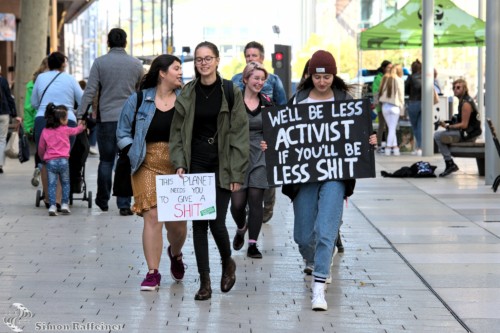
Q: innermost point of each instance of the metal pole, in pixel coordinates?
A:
(492, 87)
(480, 72)
(427, 76)
(131, 27)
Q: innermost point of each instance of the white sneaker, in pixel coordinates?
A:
(388, 151)
(318, 297)
(93, 151)
(65, 209)
(53, 210)
(419, 152)
(396, 152)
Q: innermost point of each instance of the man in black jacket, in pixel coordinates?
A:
(7, 110)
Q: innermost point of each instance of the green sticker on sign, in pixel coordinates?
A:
(207, 211)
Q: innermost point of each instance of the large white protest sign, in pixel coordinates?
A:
(191, 197)
(318, 142)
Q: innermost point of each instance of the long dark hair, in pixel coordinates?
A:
(209, 45)
(54, 114)
(160, 63)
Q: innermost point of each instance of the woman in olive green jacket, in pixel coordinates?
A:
(207, 137)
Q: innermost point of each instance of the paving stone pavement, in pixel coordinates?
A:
(421, 255)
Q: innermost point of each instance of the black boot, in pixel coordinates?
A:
(450, 168)
(205, 291)
(228, 274)
(339, 245)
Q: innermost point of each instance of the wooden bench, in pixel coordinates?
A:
(470, 149)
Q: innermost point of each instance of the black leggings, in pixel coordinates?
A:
(205, 159)
(254, 197)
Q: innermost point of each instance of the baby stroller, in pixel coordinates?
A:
(77, 160)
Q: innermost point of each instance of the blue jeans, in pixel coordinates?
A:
(318, 209)
(108, 150)
(58, 168)
(415, 113)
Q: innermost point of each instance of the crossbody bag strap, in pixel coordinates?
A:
(137, 106)
(43, 94)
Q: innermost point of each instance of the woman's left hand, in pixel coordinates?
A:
(373, 139)
(235, 187)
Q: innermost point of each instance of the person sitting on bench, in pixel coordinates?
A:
(465, 126)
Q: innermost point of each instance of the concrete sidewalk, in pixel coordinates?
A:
(421, 255)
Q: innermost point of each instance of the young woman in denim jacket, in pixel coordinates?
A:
(148, 150)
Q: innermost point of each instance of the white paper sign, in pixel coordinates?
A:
(189, 198)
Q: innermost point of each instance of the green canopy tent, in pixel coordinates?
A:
(403, 30)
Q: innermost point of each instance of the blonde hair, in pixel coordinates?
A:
(251, 67)
(389, 79)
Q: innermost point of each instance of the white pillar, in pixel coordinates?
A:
(492, 97)
(427, 76)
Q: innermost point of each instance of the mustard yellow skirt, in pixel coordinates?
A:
(156, 162)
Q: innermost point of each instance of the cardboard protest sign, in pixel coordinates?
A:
(191, 197)
(319, 141)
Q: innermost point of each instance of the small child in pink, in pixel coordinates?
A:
(53, 149)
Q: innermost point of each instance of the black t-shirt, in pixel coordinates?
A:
(159, 129)
(207, 108)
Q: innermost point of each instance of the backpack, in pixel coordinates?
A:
(229, 93)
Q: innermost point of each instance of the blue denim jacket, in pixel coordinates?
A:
(273, 87)
(145, 114)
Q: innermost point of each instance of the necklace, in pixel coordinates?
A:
(165, 100)
(210, 93)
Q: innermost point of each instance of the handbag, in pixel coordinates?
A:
(24, 146)
(122, 181)
(12, 148)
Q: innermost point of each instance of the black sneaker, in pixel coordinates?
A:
(253, 251)
(450, 169)
(126, 211)
(238, 241)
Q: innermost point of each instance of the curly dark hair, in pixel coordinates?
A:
(54, 114)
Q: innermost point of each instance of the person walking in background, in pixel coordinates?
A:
(385, 67)
(146, 143)
(53, 149)
(413, 88)
(252, 191)
(392, 98)
(114, 77)
(29, 117)
(207, 135)
(318, 206)
(273, 88)
(7, 110)
(466, 127)
(59, 88)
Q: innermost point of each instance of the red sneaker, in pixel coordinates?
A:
(151, 282)
(177, 267)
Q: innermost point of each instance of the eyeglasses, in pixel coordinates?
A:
(208, 60)
(456, 87)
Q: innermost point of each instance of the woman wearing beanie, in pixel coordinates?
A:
(318, 206)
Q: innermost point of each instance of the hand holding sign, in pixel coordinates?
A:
(186, 197)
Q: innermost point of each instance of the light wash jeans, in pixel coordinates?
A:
(58, 168)
(4, 129)
(415, 113)
(318, 211)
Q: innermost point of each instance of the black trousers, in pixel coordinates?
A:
(204, 159)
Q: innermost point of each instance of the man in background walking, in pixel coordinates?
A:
(114, 77)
